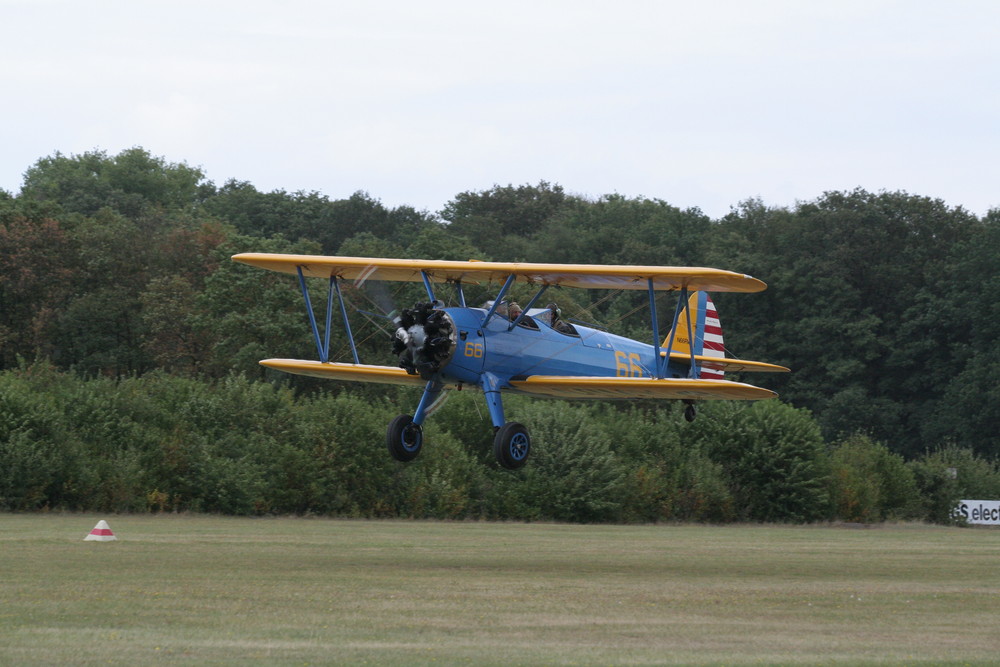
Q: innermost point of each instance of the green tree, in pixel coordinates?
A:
(618, 230)
(850, 272)
(101, 329)
(962, 328)
(171, 337)
(505, 217)
(39, 266)
(130, 183)
(312, 216)
(251, 314)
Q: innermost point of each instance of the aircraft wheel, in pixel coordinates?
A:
(690, 412)
(511, 445)
(404, 438)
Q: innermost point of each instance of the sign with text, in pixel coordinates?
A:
(985, 512)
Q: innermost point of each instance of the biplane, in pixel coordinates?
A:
(500, 347)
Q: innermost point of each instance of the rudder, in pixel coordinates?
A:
(706, 331)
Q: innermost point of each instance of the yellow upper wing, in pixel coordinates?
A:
(639, 387)
(569, 275)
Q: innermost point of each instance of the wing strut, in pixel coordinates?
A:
(499, 298)
(427, 286)
(531, 303)
(323, 346)
(659, 370)
(347, 323)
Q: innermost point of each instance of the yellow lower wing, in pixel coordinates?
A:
(542, 385)
(616, 387)
(351, 372)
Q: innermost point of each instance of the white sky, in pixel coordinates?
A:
(697, 103)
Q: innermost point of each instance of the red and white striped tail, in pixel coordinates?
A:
(713, 342)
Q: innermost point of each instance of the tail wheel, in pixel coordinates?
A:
(404, 438)
(511, 445)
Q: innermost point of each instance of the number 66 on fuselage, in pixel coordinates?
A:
(499, 347)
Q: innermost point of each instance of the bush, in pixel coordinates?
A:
(703, 492)
(869, 483)
(445, 482)
(772, 455)
(40, 458)
(950, 474)
(573, 475)
(163, 443)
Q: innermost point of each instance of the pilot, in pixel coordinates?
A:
(556, 321)
(514, 311)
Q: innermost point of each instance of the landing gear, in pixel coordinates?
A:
(511, 445)
(690, 412)
(404, 438)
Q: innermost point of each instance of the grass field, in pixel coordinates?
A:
(210, 590)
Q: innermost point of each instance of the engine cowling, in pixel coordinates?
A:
(424, 340)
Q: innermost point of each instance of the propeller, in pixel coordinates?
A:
(424, 340)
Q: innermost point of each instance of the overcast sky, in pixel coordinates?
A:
(701, 104)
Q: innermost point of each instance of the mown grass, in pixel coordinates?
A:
(208, 590)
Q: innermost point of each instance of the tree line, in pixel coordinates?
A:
(116, 277)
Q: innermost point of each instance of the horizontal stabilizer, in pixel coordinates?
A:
(638, 387)
(727, 364)
(349, 372)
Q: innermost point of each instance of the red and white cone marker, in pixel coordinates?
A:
(100, 533)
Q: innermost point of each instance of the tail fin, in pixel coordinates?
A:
(706, 330)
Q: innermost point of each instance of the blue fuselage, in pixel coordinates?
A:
(535, 348)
